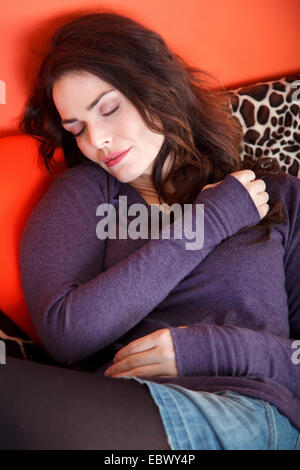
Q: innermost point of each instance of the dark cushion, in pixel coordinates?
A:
(18, 344)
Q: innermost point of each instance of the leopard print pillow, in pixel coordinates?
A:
(269, 113)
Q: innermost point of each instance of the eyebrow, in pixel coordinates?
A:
(89, 107)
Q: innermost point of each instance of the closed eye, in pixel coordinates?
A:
(111, 112)
(107, 114)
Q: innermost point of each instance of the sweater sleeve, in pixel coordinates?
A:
(77, 307)
(213, 350)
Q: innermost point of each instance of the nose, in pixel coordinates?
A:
(99, 137)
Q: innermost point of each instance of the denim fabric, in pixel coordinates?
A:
(220, 421)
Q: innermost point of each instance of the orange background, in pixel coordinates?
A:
(238, 41)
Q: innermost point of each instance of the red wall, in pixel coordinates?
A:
(238, 41)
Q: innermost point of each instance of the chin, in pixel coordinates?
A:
(126, 176)
(123, 178)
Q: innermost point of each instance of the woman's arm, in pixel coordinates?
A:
(212, 350)
(233, 351)
(76, 306)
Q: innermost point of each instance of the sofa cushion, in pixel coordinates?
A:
(18, 344)
(269, 113)
(22, 184)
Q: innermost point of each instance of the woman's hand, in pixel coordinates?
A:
(256, 189)
(150, 356)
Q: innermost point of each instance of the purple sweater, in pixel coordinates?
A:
(241, 303)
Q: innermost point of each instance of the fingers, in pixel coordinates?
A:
(257, 186)
(155, 350)
(152, 370)
(244, 176)
(141, 344)
(256, 189)
(145, 364)
(263, 210)
(133, 362)
(262, 197)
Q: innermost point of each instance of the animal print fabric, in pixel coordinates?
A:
(269, 113)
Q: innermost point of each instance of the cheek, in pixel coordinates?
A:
(132, 126)
(88, 150)
(146, 137)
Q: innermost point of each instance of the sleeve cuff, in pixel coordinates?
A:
(194, 350)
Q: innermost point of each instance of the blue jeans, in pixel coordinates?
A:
(221, 420)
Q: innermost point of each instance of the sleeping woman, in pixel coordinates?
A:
(195, 337)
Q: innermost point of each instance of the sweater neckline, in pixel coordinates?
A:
(134, 197)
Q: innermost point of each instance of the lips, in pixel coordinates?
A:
(113, 155)
(115, 161)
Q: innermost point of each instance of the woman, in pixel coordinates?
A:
(208, 330)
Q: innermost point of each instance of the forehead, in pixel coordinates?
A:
(75, 79)
(75, 90)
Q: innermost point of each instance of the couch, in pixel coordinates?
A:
(269, 114)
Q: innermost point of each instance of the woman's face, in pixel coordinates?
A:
(106, 124)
